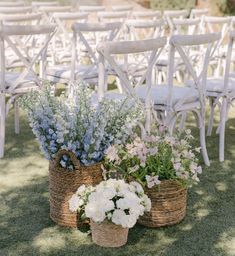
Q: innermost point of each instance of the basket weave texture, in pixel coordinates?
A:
(169, 201)
(107, 234)
(63, 184)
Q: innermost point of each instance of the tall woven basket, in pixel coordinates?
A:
(107, 234)
(169, 201)
(63, 184)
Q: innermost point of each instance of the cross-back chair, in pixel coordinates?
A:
(122, 8)
(110, 52)
(168, 15)
(16, 10)
(146, 14)
(170, 101)
(198, 13)
(211, 25)
(11, 4)
(221, 93)
(61, 46)
(84, 60)
(14, 83)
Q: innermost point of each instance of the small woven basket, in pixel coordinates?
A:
(63, 184)
(169, 201)
(107, 234)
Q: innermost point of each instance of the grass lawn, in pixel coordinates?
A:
(26, 229)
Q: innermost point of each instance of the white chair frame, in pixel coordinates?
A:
(7, 35)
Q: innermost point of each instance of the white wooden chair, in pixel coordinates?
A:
(143, 29)
(14, 83)
(168, 15)
(169, 101)
(16, 10)
(198, 13)
(12, 4)
(92, 10)
(228, 95)
(85, 38)
(122, 8)
(146, 15)
(48, 11)
(212, 25)
(61, 46)
(21, 19)
(221, 93)
(44, 3)
(112, 16)
(110, 52)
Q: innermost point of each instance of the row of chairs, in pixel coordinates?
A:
(92, 74)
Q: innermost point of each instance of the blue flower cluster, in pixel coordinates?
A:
(78, 125)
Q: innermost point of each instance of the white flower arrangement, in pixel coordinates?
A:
(112, 200)
(79, 124)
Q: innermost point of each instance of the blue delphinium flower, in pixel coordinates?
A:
(78, 125)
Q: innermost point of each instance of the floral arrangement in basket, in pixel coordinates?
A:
(112, 203)
(164, 165)
(80, 123)
(154, 158)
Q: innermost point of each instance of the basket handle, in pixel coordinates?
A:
(70, 154)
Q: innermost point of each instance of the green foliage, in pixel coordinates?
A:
(172, 4)
(227, 6)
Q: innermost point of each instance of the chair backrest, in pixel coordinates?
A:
(109, 50)
(186, 26)
(214, 24)
(228, 61)
(168, 15)
(43, 3)
(62, 40)
(91, 8)
(122, 8)
(112, 16)
(143, 29)
(23, 19)
(16, 10)
(48, 11)
(198, 13)
(12, 4)
(88, 35)
(147, 15)
(20, 40)
(180, 44)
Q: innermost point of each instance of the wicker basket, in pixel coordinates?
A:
(63, 184)
(169, 201)
(107, 234)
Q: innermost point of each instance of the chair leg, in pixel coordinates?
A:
(203, 145)
(211, 118)
(119, 86)
(182, 121)
(2, 124)
(223, 118)
(16, 117)
(201, 125)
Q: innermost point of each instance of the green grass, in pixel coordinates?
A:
(26, 229)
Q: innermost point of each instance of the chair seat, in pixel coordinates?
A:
(62, 73)
(216, 85)
(159, 94)
(27, 84)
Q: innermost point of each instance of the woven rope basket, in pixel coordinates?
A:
(63, 184)
(169, 201)
(107, 234)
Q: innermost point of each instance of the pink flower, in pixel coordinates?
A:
(152, 180)
(112, 154)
